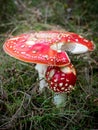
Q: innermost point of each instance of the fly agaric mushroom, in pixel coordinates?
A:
(61, 80)
(35, 48)
(47, 48)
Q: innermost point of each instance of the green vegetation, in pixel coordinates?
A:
(22, 107)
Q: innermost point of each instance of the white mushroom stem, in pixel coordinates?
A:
(60, 100)
(41, 68)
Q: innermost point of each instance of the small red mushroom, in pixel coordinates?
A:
(61, 79)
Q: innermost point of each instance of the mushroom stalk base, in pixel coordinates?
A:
(60, 99)
(41, 68)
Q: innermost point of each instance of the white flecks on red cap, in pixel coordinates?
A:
(74, 43)
(34, 52)
(60, 81)
(46, 47)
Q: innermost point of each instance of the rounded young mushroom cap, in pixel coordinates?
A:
(61, 79)
(35, 47)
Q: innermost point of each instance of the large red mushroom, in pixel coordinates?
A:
(36, 48)
(48, 50)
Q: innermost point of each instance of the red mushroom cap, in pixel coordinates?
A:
(47, 47)
(61, 79)
(35, 48)
(73, 42)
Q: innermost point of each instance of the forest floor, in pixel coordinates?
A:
(22, 107)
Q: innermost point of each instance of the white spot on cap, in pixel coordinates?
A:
(67, 80)
(15, 38)
(30, 42)
(63, 74)
(23, 52)
(34, 51)
(85, 40)
(62, 78)
(66, 90)
(68, 40)
(60, 84)
(76, 40)
(66, 35)
(55, 80)
(66, 84)
(46, 56)
(54, 88)
(17, 52)
(11, 46)
(56, 84)
(80, 36)
(51, 83)
(58, 90)
(70, 86)
(22, 46)
(14, 43)
(62, 88)
(51, 59)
